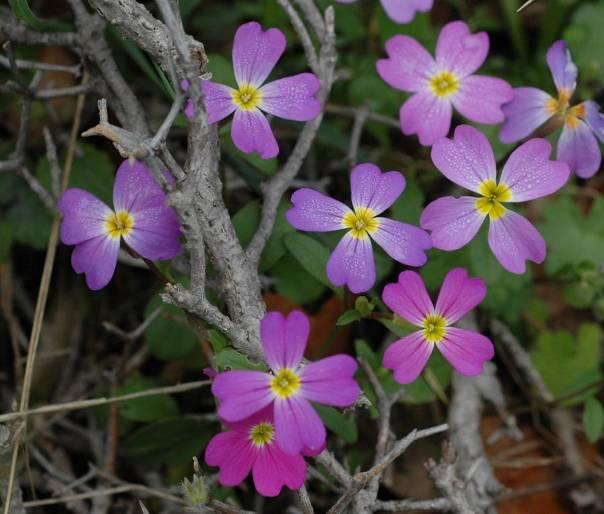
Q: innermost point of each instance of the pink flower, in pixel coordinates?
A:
(141, 217)
(583, 124)
(443, 83)
(352, 263)
(250, 445)
(255, 53)
(401, 11)
(290, 386)
(465, 350)
(468, 161)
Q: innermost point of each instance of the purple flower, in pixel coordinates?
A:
(468, 161)
(141, 217)
(401, 11)
(582, 123)
(250, 445)
(465, 350)
(352, 263)
(255, 53)
(441, 84)
(290, 386)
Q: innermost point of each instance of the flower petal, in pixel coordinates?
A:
(155, 233)
(514, 240)
(220, 451)
(135, 189)
(405, 243)
(274, 469)
(331, 381)
(459, 295)
(241, 393)
(408, 64)
(97, 258)
(579, 148)
(530, 174)
(255, 53)
(408, 298)
(373, 189)
(460, 51)
(315, 212)
(297, 425)
(292, 98)
(84, 216)
(218, 100)
(564, 70)
(404, 11)
(352, 264)
(284, 338)
(452, 222)
(466, 351)
(467, 159)
(427, 116)
(524, 114)
(480, 98)
(594, 119)
(252, 133)
(407, 357)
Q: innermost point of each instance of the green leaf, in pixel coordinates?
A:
(294, 282)
(311, 254)
(149, 408)
(348, 317)
(169, 336)
(343, 426)
(420, 391)
(593, 419)
(584, 37)
(275, 246)
(408, 206)
(171, 441)
(23, 11)
(245, 222)
(228, 358)
(217, 339)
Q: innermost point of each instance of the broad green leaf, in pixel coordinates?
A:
(408, 206)
(311, 254)
(228, 358)
(217, 339)
(149, 408)
(275, 246)
(246, 221)
(294, 282)
(342, 425)
(593, 419)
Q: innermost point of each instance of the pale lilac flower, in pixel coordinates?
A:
(401, 11)
(290, 386)
(255, 54)
(468, 161)
(465, 350)
(352, 262)
(250, 445)
(141, 217)
(582, 124)
(444, 83)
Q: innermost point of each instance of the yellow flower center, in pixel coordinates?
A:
(262, 434)
(435, 327)
(247, 97)
(558, 106)
(573, 115)
(361, 222)
(492, 196)
(444, 84)
(285, 383)
(119, 224)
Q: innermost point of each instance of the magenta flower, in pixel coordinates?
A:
(250, 445)
(468, 161)
(141, 217)
(465, 350)
(401, 11)
(255, 53)
(290, 386)
(582, 123)
(352, 262)
(443, 83)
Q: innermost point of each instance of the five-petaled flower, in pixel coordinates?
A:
(352, 262)
(255, 53)
(443, 83)
(465, 350)
(468, 161)
(290, 386)
(141, 218)
(531, 108)
(250, 445)
(401, 11)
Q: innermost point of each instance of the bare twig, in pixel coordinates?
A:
(137, 332)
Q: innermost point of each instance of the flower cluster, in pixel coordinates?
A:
(272, 422)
